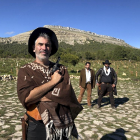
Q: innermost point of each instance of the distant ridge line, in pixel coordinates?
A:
(83, 31)
(69, 36)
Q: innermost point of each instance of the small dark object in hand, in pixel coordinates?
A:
(55, 67)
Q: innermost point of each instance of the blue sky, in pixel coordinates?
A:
(116, 18)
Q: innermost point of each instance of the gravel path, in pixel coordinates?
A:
(122, 123)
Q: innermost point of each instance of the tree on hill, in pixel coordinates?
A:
(119, 53)
(100, 55)
(70, 58)
(89, 56)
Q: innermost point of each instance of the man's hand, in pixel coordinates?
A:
(97, 84)
(44, 99)
(56, 77)
(113, 85)
(79, 86)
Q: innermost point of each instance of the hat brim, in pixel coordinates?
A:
(35, 34)
(106, 63)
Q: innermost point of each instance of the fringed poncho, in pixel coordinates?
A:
(58, 114)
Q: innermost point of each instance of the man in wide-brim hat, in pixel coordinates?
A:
(48, 97)
(106, 83)
(53, 42)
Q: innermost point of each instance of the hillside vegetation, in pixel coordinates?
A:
(125, 60)
(125, 69)
(90, 51)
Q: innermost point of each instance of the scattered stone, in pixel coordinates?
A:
(17, 134)
(94, 129)
(97, 122)
(97, 111)
(10, 114)
(124, 74)
(128, 136)
(128, 125)
(5, 126)
(15, 121)
(88, 133)
(19, 138)
(117, 125)
(134, 130)
(109, 129)
(3, 131)
(99, 135)
(79, 130)
(2, 122)
(18, 127)
(85, 127)
(110, 118)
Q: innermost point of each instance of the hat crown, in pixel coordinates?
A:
(106, 62)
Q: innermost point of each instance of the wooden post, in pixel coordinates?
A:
(117, 69)
(24, 129)
(16, 70)
(77, 71)
(136, 73)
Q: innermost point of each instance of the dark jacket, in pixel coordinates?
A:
(113, 77)
(82, 80)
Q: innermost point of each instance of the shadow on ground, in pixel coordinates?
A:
(83, 103)
(119, 134)
(106, 101)
(120, 101)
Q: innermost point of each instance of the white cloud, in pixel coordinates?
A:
(9, 33)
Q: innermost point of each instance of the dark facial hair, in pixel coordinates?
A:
(107, 67)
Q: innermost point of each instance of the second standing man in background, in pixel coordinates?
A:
(87, 81)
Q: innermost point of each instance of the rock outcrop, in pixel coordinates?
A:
(68, 35)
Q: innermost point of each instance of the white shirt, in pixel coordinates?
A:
(88, 75)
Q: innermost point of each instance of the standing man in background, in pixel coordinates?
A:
(107, 83)
(87, 81)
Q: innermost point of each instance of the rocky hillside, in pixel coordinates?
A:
(68, 35)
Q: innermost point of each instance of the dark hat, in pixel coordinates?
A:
(106, 62)
(121, 130)
(35, 34)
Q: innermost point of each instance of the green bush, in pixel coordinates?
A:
(70, 58)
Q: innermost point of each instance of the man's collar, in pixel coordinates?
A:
(88, 69)
(106, 68)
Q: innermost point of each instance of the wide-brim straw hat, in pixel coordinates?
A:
(35, 34)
